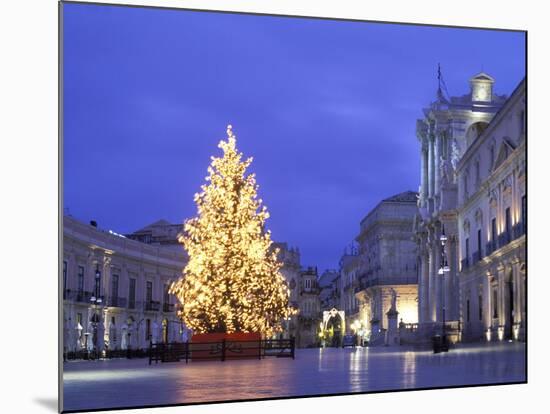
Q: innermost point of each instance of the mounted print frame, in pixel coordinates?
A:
(260, 207)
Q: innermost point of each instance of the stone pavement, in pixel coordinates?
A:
(123, 383)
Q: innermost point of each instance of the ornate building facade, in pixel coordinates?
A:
(449, 127)
(492, 213)
(387, 265)
(115, 290)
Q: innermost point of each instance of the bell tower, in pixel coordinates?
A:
(481, 86)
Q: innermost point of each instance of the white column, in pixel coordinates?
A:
(424, 283)
(424, 172)
(487, 298)
(431, 166)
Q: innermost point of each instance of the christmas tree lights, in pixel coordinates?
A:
(232, 281)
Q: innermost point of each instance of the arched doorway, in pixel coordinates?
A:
(334, 325)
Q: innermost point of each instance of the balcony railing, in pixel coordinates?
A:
(490, 247)
(168, 307)
(384, 281)
(519, 229)
(464, 263)
(151, 306)
(504, 239)
(116, 301)
(77, 295)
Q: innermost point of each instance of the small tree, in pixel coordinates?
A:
(232, 281)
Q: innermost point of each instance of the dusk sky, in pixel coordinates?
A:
(327, 109)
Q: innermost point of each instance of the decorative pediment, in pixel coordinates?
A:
(466, 226)
(504, 151)
(479, 217)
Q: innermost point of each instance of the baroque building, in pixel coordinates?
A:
(309, 314)
(115, 290)
(449, 127)
(492, 214)
(387, 270)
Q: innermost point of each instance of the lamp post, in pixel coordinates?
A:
(96, 301)
(442, 270)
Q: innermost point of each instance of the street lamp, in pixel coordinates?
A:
(96, 301)
(442, 270)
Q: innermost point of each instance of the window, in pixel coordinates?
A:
(467, 250)
(468, 310)
(508, 224)
(495, 303)
(149, 292)
(480, 307)
(97, 287)
(308, 283)
(148, 329)
(64, 276)
(479, 243)
(114, 288)
(132, 294)
(166, 294)
(80, 279)
(493, 231)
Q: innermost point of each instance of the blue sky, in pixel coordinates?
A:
(327, 109)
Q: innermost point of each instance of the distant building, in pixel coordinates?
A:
(309, 316)
(329, 296)
(159, 233)
(388, 265)
(492, 217)
(291, 270)
(349, 274)
(115, 290)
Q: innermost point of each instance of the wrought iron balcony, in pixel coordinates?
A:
(519, 229)
(116, 302)
(385, 281)
(77, 295)
(504, 239)
(490, 247)
(152, 306)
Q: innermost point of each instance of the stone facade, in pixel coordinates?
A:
(309, 314)
(448, 129)
(492, 208)
(115, 290)
(387, 266)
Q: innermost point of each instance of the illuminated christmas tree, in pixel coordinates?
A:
(232, 281)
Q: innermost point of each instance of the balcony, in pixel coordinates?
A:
(504, 239)
(464, 263)
(77, 295)
(490, 247)
(519, 229)
(385, 281)
(151, 305)
(168, 307)
(116, 302)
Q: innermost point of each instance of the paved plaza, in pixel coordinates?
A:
(122, 383)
